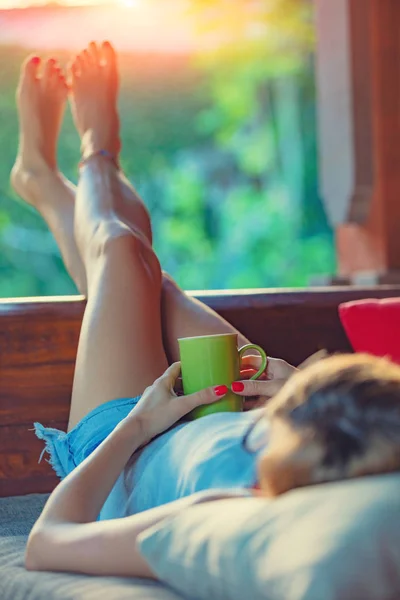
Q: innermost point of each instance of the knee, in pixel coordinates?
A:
(118, 243)
(171, 293)
(111, 238)
(168, 284)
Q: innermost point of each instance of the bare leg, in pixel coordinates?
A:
(120, 349)
(37, 180)
(183, 316)
(41, 99)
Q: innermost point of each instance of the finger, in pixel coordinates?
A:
(257, 388)
(207, 396)
(252, 360)
(250, 372)
(171, 375)
(279, 369)
(314, 358)
(178, 387)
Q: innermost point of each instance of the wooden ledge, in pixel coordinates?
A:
(224, 299)
(39, 337)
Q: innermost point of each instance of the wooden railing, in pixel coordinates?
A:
(38, 342)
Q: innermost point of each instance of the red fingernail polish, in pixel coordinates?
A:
(237, 386)
(220, 390)
(35, 60)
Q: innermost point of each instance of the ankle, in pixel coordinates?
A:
(100, 155)
(92, 144)
(33, 179)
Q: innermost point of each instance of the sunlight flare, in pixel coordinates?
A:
(129, 3)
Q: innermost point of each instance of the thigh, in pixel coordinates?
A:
(184, 316)
(120, 348)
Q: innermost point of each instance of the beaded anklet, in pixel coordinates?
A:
(104, 153)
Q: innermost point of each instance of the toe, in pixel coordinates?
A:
(94, 53)
(109, 55)
(73, 72)
(55, 77)
(62, 78)
(81, 66)
(49, 70)
(87, 57)
(87, 60)
(110, 64)
(30, 69)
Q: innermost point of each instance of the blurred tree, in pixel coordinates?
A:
(260, 68)
(261, 76)
(222, 146)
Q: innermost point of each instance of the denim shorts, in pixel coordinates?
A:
(67, 450)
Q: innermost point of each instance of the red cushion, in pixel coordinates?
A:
(373, 326)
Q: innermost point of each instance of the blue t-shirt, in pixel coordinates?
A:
(203, 454)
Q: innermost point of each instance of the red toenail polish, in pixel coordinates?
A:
(237, 386)
(35, 60)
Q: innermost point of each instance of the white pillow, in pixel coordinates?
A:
(330, 542)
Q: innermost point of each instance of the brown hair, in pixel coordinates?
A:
(350, 406)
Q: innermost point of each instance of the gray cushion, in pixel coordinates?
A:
(330, 542)
(17, 515)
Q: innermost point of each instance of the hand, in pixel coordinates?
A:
(160, 407)
(276, 368)
(277, 373)
(271, 381)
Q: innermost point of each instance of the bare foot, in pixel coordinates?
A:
(41, 100)
(94, 84)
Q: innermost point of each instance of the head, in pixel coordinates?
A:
(337, 419)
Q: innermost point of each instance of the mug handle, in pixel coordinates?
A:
(263, 356)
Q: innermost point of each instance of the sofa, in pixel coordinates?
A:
(38, 342)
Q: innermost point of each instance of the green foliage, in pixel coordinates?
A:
(222, 147)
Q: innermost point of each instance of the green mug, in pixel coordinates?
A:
(212, 360)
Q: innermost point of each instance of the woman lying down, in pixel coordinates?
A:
(128, 461)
